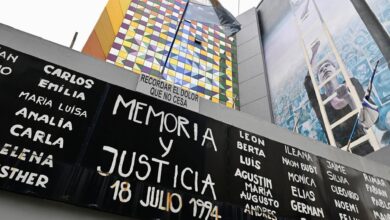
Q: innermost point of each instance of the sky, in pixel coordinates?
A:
(58, 20)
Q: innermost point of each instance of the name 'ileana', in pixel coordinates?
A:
(298, 153)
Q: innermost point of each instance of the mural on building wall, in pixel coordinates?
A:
(318, 75)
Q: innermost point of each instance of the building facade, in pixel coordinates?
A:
(155, 38)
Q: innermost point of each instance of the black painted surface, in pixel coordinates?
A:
(246, 176)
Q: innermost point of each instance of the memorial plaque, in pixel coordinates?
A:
(156, 158)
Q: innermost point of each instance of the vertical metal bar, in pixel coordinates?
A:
(174, 38)
(374, 26)
(74, 40)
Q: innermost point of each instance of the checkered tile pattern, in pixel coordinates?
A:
(202, 58)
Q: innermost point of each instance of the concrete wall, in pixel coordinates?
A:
(271, 11)
(251, 77)
(14, 206)
(381, 156)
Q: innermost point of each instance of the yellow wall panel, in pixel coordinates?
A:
(104, 32)
(116, 14)
(93, 47)
(124, 5)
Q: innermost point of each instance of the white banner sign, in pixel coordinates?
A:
(168, 92)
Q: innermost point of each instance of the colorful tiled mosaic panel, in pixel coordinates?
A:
(146, 34)
(202, 58)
